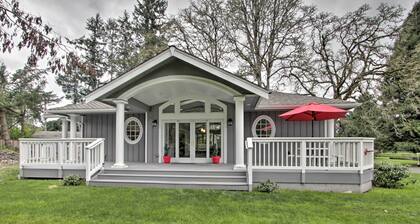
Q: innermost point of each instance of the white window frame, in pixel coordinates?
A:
(269, 119)
(206, 116)
(137, 140)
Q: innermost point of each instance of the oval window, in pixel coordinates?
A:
(263, 126)
(133, 130)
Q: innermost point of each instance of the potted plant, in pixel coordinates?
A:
(166, 155)
(215, 158)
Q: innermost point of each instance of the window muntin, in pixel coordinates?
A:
(263, 126)
(215, 108)
(192, 106)
(169, 109)
(133, 130)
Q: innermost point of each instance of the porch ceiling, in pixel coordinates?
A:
(160, 91)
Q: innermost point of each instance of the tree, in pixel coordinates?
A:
(128, 44)
(23, 98)
(365, 121)
(150, 22)
(21, 30)
(347, 56)
(401, 87)
(201, 30)
(267, 36)
(77, 82)
(54, 125)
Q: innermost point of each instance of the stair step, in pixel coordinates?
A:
(178, 172)
(171, 184)
(171, 177)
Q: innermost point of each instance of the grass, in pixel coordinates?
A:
(47, 201)
(397, 158)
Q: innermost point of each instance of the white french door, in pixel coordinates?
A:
(193, 141)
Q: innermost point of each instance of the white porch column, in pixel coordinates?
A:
(73, 125)
(64, 127)
(239, 132)
(119, 133)
(330, 128)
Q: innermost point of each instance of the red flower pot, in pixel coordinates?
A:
(215, 159)
(166, 159)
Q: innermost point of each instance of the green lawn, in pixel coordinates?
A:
(46, 201)
(400, 158)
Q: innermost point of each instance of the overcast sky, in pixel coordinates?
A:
(67, 17)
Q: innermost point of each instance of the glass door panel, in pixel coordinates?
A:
(170, 138)
(215, 138)
(201, 140)
(184, 140)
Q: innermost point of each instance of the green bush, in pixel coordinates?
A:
(72, 180)
(407, 147)
(267, 187)
(390, 176)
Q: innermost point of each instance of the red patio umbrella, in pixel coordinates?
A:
(313, 112)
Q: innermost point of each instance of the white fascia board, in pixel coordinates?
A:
(221, 73)
(82, 111)
(289, 107)
(129, 75)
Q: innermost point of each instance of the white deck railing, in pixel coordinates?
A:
(81, 152)
(95, 156)
(309, 153)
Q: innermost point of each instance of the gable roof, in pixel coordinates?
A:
(285, 101)
(173, 52)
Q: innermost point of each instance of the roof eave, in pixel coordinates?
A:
(81, 111)
(346, 106)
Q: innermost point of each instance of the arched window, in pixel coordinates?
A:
(133, 130)
(263, 126)
(188, 106)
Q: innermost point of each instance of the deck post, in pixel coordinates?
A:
(64, 127)
(119, 133)
(239, 132)
(73, 131)
(303, 161)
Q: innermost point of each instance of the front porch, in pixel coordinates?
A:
(331, 164)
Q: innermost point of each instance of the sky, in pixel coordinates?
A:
(68, 17)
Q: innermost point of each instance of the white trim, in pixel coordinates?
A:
(270, 120)
(128, 120)
(82, 111)
(290, 107)
(206, 116)
(145, 136)
(128, 76)
(173, 52)
(193, 79)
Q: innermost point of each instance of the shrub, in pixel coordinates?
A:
(72, 180)
(407, 146)
(267, 187)
(390, 176)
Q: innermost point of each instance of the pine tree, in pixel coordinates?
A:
(128, 46)
(150, 22)
(401, 87)
(77, 82)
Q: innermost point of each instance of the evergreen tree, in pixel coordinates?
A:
(128, 44)
(76, 81)
(150, 22)
(401, 87)
(22, 98)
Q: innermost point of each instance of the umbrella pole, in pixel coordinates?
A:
(312, 128)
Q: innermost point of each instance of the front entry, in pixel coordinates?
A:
(193, 141)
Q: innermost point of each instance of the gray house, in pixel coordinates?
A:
(189, 110)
